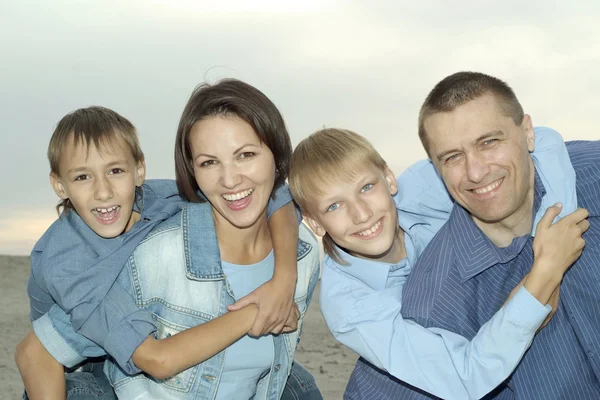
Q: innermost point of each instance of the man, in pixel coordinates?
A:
(475, 132)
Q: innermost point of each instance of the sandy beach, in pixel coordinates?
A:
(330, 362)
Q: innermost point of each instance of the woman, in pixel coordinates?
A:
(232, 146)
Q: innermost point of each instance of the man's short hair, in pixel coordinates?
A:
(462, 87)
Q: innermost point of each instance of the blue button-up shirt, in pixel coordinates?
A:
(462, 278)
(361, 302)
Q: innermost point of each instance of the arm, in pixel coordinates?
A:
(159, 358)
(169, 356)
(43, 376)
(438, 361)
(275, 297)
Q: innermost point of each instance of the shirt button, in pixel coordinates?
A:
(209, 377)
(277, 367)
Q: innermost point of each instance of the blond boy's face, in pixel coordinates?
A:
(100, 183)
(360, 216)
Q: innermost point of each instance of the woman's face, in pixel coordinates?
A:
(234, 170)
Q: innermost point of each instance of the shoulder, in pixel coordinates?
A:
(160, 188)
(585, 158)
(309, 253)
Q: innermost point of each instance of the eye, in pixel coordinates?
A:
(115, 171)
(247, 154)
(367, 187)
(489, 142)
(208, 163)
(80, 178)
(452, 157)
(333, 207)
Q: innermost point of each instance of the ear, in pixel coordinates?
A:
(391, 180)
(529, 133)
(314, 226)
(58, 187)
(140, 176)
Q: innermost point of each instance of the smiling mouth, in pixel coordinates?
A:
(106, 214)
(488, 188)
(374, 229)
(237, 196)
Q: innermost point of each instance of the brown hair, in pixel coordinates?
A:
(230, 97)
(97, 125)
(328, 155)
(462, 87)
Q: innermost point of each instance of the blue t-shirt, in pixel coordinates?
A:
(248, 359)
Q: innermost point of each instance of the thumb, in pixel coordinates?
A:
(549, 215)
(243, 302)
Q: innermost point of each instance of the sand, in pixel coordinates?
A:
(329, 362)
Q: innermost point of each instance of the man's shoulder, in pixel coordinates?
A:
(585, 158)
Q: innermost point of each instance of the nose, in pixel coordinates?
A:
(103, 189)
(361, 212)
(230, 176)
(477, 167)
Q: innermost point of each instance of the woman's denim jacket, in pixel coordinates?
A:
(176, 273)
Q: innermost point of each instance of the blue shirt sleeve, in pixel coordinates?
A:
(440, 362)
(281, 197)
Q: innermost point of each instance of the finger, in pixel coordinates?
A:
(549, 215)
(243, 302)
(287, 329)
(583, 225)
(278, 329)
(576, 216)
(258, 326)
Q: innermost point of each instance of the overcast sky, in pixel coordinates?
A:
(366, 66)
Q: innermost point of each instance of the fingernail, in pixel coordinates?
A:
(558, 205)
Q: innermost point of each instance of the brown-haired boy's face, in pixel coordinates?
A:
(360, 216)
(100, 183)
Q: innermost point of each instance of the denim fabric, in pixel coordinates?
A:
(301, 385)
(89, 383)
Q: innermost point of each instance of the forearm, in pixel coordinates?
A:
(541, 283)
(284, 234)
(169, 356)
(43, 376)
(435, 360)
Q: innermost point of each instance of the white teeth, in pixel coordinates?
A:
(238, 196)
(488, 188)
(371, 230)
(99, 211)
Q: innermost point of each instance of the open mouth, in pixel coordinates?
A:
(489, 188)
(106, 215)
(373, 231)
(237, 196)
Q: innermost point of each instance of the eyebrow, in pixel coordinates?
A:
(109, 165)
(238, 150)
(479, 139)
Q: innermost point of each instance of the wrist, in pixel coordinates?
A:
(541, 284)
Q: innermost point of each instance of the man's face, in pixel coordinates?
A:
(483, 158)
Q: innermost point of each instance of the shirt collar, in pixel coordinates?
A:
(474, 252)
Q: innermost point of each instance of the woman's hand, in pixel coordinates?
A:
(275, 301)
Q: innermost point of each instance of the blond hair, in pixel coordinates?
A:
(325, 157)
(97, 125)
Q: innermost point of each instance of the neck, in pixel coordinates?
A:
(518, 224)
(247, 245)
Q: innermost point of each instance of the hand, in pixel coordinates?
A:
(556, 247)
(292, 322)
(274, 299)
